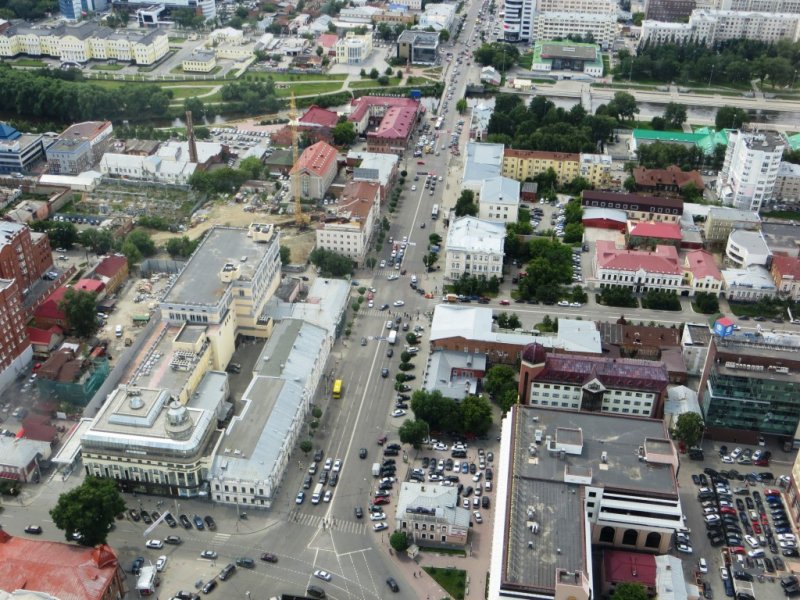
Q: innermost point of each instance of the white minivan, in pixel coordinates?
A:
(118, 331)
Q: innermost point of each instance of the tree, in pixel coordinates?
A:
(374, 74)
(629, 184)
(675, 115)
(499, 379)
(508, 399)
(331, 263)
(629, 591)
(708, 304)
(89, 510)
(399, 541)
(99, 241)
(444, 35)
(319, 50)
(658, 123)
(461, 106)
(413, 432)
(197, 108)
(731, 117)
(465, 205)
(476, 415)
(62, 235)
(80, 310)
(306, 446)
(689, 428)
(131, 252)
(344, 133)
(181, 247)
(252, 167)
(624, 106)
(142, 241)
(286, 254)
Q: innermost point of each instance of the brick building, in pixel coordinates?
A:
(15, 346)
(637, 207)
(25, 255)
(388, 122)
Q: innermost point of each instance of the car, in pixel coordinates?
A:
(685, 548)
(210, 586)
(478, 517)
(398, 412)
(208, 555)
(301, 496)
(198, 522)
(377, 516)
(157, 544)
(187, 524)
(161, 563)
(328, 496)
(398, 303)
(146, 517)
(269, 557)
(723, 572)
(34, 529)
(175, 540)
(753, 542)
(137, 564)
(134, 514)
(170, 520)
(380, 526)
(210, 523)
(711, 518)
(384, 372)
(504, 302)
(440, 447)
(702, 565)
(337, 465)
(389, 353)
(393, 584)
(727, 460)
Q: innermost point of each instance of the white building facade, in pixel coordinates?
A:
(750, 169)
(353, 49)
(498, 201)
(518, 20)
(474, 247)
(711, 27)
(557, 25)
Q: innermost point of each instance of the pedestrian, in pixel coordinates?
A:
(415, 574)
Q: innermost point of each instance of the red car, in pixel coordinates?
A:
(381, 500)
(736, 550)
(504, 302)
(772, 492)
(382, 440)
(727, 510)
(756, 528)
(420, 162)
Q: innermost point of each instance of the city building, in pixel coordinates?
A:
(73, 10)
(474, 247)
(200, 62)
(374, 166)
(605, 218)
(431, 515)
(315, 170)
(72, 373)
(152, 14)
(226, 35)
(551, 56)
(751, 166)
(749, 385)
(491, 76)
(701, 273)
(527, 164)
(58, 570)
(592, 383)
(79, 147)
(712, 27)
(673, 11)
(498, 200)
(776, 6)
(482, 161)
(637, 207)
(316, 116)
(172, 163)
(638, 270)
(353, 49)
(650, 234)
(387, 121)
(410, 4)
(472, 331)
(112, 271)
(349, 226)
(225, 286)
(84, 42)
(518, 20)
(20, 460)
(695, 341)
(560, 24)
(722, 220)
(479, 121)
(746, 248)
(19, 151)
(748, 284)
(45, 341)
(15, 346)
(596, 169)
(670, 180)
(454, 374)
(569, 481)
(25, 255)
(418, 47)
(787, 183)
(785, 271)
(440, 17)
(620, 566)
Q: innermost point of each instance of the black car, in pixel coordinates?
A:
(227, 571)
(146, 517)
(187, 524)
(34, 529)
(468, 491)
(269, 557)
(137, 564)
(473, 468)
(318, 455)
(362, 453)
(489, 474)
(246, 562)
(359, 512)
(389, 461)
(323, 477)
(170, 520)
(390, 452)
(403, 398)
(210, 586)
(392, 584)
(334, 479)
(716, 541)
(212, 525)
(403, 405)
(742, 576)
(134, 514)
(485, 502)
(425, 462)
(307, 482)
(394, 446)
(175, 540)
(696, 479)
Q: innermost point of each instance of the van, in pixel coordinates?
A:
(315, 591)
(227, 571)
(414, 279)
(317, 495)
(538, 436)
(118, 331)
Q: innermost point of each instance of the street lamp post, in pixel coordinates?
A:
(710, 77)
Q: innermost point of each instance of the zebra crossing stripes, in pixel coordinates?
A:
(343, 525)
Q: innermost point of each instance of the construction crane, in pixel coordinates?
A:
(299, 218)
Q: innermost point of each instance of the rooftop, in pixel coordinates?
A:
(726, 213)
(663, 260)
(199, 282)
(605, 214)
(612, 373)
(320, 117)
(21, 452)
(620, 334)
(473, 235)
(672, 176)
(551, 49)
(698, 335)
(360, 106)
(500, 190)
(419, 38)
(787, 267)
(638, 202)
(702, 264)
(318, 159)
(438, 502)
(541, 155)
(754, 276)
(374, 166)
(782, 238)
(86, 130)
(447, 373)
(397, 123)
(620, 566)
(656, 230)
(482, 162)
(751, 241)
(764, 141)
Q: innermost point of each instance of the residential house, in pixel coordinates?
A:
(638, 270)
(701, 273)
(315, 170)
(498, 200)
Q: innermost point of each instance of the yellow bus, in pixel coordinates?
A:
(337, 389)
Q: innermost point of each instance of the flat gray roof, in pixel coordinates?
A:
(566, 50)
(199, 281)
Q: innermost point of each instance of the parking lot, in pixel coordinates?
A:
(736, 523)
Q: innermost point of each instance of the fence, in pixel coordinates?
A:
(160, 265)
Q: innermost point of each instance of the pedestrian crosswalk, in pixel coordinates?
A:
(221, 538)
(342, 525)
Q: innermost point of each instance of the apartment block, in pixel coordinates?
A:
(349, 229)
(498, 200)
(25, 255)
(558, 25)
(527, 164)
(79, 147)
(669, 10)
(711, 27)
(518, 20)
(15, 346)
(750, 169)
(474, 247)
(787, 183)
(721, 221)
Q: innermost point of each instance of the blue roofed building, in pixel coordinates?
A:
(19, 151)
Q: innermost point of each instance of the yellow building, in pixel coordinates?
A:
(84, 42)
(353, 49)
(234, 52)
(200, 62)
(527, 164)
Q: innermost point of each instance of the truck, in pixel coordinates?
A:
(317, 495)
(392, 339)
(376, 469)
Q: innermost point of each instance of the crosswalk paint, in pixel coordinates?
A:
(221, 538)
(343, 525)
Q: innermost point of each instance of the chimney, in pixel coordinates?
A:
(190, 137)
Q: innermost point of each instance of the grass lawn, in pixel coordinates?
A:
(306, 89)
(526, 60)
(295, 77)
(27, 62)
(177, 40)
(107, 67)
(755, 310)
(453, 581)
(368, 83)
(188, 92)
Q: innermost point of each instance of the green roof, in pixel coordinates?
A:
(794, 141)
(582, 50)
(705, 138)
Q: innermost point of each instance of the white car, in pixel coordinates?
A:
(440, 447)
(413, 188)
(412, 350)
(711, 518)
(157, 544)
(337, 465)
(753, 542)
(737, 452)
(324, 575)
(576, 305)
(398, 303)
(393, 277)
(380, 526)
(370, 304)
(377, 516)
(478, 517)
(398, 412)
(723, 572)
(328, 495)
(685, 548)
(465, 503)
(383, 264)
(328, 464)
(389, 324)
(702, 565)
(161, 563)
(728, 460)
(563, 303)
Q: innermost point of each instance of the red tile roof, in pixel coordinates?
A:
(90, 285)
(396, 124)
(43, 336)
(540, 154)
(629, 567)
(671, 176)
(39, 428)
(786, 266)
(613, 373)
(318, 159)
(49, 308)
(361, 105)
(663, 260)
(652, 229)
(358, 198)
(328, 40)
(111, 265)
(321, 117)
(66, 571)
(702, 264)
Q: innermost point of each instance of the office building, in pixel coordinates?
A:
(440, 17)
(518, 20)
(15, 346)
(746, 248)
(25, 255)
(482, 161)
(592, 383)
(568, 481)
(418, 47)
(560, 24)
(749, 386)
(200, 62)
(712, 27)
(149, 13)
(73, 10)
(348, 228)
(431, 515)
(19, 151)
(787, 184)
(672, 11)
(748, 284)
(750, 170)
(387, 121)
(353, 49)
(376, 167)
(722, 220)
(774, 6)
(474, 247)
(637, 207)
(498, 200)
(78, 148)
(315, 170)
(638, 270)
(551, 56)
